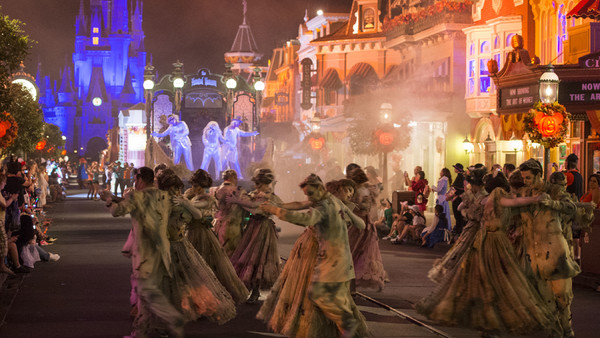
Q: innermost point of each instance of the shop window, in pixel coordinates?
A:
(497, 58)
(562, 32)
(496, 42)
(472, 49)
(508, 38)
(485, 48)
(484, 76)
(471, 77)
(330, 96)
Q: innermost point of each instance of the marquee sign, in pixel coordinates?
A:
(518, 97)
(579, 93)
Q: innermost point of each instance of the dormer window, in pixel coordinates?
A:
(95, 30)
(368, 19)
(95, 40)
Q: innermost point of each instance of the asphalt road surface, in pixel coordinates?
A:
(86, 292)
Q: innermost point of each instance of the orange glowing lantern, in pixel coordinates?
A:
(40, 145)
(63, 153)
(386, 139)
(317, 143)
(548, 125)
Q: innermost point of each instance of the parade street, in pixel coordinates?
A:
(86, 292)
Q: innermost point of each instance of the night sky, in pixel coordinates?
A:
(197, 32)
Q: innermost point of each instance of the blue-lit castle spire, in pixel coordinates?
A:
(105, 76)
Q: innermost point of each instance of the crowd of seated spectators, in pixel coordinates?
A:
(26, 188)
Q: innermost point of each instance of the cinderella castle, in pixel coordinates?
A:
(105, 76)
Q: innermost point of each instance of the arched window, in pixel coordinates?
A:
(508, 40)
(562, 33)
(471, 77)
(496, 42)
(485, 48)
(472, 49)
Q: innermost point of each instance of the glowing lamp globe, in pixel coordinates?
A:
(549, 86)
(148, 84)
(468, 147)
(178, 83)
(231, 83)
(259, 85)
(515, 143)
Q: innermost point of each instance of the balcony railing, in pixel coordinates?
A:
(438, 13)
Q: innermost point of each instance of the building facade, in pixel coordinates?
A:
(104, 77)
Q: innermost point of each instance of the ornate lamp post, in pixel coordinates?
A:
(259, 86)
(385, 111)
(231, 84)
(548, 94)
(148, 89)
(178, 82)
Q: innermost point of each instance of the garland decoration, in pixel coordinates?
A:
(8, 130)
(547, 124)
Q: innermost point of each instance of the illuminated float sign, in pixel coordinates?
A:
(518, 97)
(204, 81)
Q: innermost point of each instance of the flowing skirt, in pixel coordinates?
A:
(288, 309)
(488, 291)
(368, 265)
(194, 289)
(256, 258)
(452, 258)
(204, 240)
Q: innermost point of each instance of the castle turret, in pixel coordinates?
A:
(244, 51)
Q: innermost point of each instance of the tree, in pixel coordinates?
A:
(14, 47)
(52, 142)
(29, 117)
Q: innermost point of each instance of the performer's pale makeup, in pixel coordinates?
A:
(529, 178)
(314, 193)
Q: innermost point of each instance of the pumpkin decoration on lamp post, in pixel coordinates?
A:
(547, 123)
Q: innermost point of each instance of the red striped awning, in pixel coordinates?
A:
(331, 80)
(363, 70)
(586, 9)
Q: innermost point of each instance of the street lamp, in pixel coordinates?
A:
(386, 112)
(315, 124)
(468, 147)
(230, 84)
(385, 115)
(259, 86)
(548, 94)
(148, 88)
(549, 86)
(178, 83)
(516, 144)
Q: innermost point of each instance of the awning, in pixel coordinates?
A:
(586, 9)
(331, 80)
(363, 70)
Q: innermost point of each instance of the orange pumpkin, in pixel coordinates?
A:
(386, 138)
(548, 125)
(2, 130)
(316, 143)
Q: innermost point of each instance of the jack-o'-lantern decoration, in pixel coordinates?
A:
(316, 142)
(547, 124)
(384, 138)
